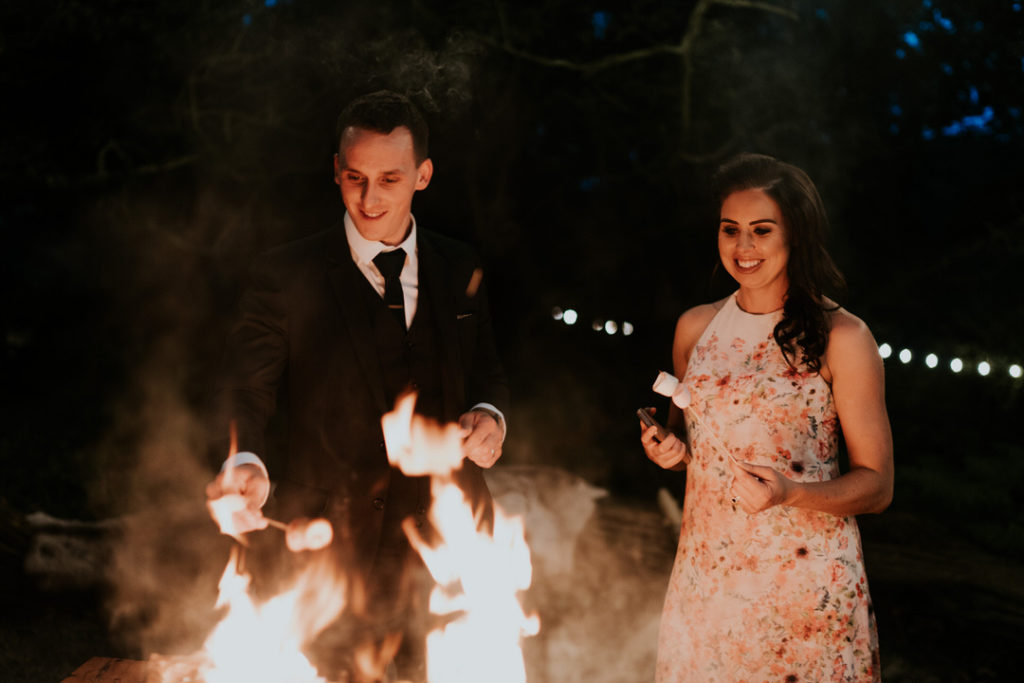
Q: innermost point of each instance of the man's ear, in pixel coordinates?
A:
(337, 170)
(424, 173)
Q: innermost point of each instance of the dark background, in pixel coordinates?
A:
(151, 149)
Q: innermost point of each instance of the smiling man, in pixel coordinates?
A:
(342, 323)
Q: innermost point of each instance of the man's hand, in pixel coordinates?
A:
(481, 441)
(235, 497)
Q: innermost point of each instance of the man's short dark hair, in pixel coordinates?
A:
(382, 112)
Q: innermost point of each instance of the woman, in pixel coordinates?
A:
(769, 582)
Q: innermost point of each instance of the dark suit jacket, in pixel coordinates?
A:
(305, 327)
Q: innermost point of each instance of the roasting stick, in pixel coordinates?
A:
(276, 524)
(668, 385)
(301, 534)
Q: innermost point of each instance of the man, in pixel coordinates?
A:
(344, 322)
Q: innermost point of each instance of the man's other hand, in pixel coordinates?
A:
(482, 438)
(235, 499)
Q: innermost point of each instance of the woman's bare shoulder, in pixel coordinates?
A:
(845, 327)
(694, 321)
(850, 344)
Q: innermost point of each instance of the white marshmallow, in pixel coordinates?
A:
(668, 385)
(681, 397)
(665, 384)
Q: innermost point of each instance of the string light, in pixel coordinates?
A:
(956, 365)
(569, 316)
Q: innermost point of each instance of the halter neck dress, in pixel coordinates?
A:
(780, 595)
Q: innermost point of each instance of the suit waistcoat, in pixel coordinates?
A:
(408, 359)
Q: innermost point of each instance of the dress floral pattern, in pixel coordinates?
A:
(780, 595)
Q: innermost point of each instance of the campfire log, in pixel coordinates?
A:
(109, 670)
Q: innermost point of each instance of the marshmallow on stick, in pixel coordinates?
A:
(300, 534)
(667, 384)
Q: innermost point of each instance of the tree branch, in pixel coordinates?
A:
(587, 67)
(684, 49)
(763, 6)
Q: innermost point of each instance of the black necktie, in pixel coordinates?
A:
(390, 264)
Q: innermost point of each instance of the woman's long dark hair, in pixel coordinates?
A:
(802, 334)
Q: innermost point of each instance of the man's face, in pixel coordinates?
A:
(378, 176)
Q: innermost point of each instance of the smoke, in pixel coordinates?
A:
(169, 555)
(162, 262)
(601, 567)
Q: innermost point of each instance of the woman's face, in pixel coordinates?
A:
(753, 242)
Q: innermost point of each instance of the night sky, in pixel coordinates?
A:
(152, 149)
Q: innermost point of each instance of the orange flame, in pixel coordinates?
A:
(478, 575)
(420, 446)
(264, 642)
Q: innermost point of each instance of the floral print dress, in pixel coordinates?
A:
(780, 595)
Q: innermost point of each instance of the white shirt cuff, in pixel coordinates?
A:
(248, 458)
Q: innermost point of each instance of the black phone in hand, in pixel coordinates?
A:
(648, 419)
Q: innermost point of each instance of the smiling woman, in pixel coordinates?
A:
(768, 581)
(753, 247)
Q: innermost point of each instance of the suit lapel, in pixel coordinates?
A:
(442, 301)
(346, 281)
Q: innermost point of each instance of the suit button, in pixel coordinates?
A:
(383, 446)
(415, 385)
(378, 503)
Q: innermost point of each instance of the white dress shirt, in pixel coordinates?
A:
(364, 251)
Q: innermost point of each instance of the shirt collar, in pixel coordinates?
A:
(363, 250)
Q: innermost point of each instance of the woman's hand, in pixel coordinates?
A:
(756, 488)
(671, 454)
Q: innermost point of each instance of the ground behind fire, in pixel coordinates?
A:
(947, 609)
